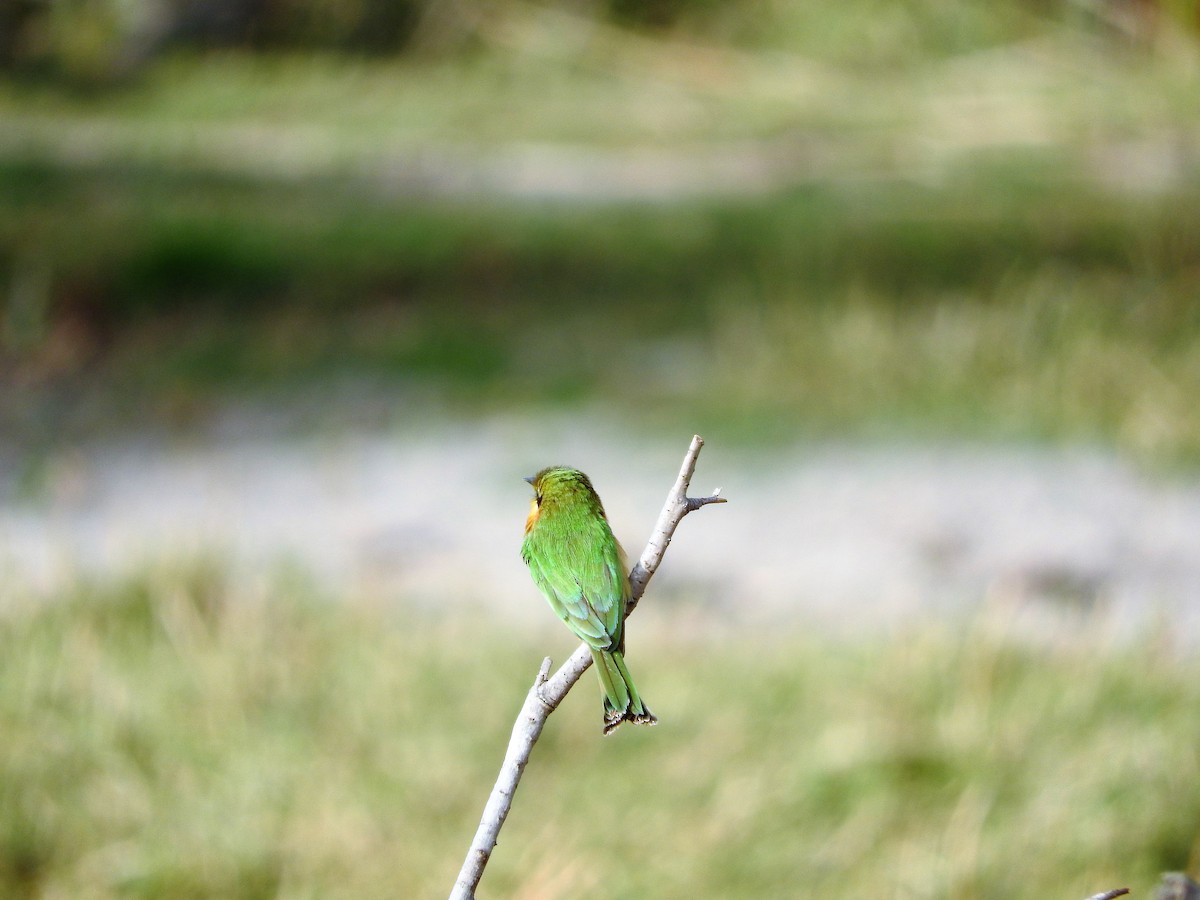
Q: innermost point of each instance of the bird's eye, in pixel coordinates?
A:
(538, 499)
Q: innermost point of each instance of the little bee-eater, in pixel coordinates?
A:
(580, 568)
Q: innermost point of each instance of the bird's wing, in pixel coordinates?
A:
(587, 593)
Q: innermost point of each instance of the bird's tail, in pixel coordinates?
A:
(622, 702)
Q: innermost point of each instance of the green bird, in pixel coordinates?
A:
(580, 568)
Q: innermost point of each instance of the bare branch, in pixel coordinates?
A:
(678, 505)
(547, 693)
(1109, 895)
(694, 503)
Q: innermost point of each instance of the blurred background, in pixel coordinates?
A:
(293, 293)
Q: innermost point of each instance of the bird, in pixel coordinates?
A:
(580, 568)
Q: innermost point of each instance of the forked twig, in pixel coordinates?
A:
(548, 692)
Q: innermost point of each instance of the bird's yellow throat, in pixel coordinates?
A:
(534, 509)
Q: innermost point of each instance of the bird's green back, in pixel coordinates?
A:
(574, 558)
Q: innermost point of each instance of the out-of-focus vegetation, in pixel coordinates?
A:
(181, 734)
(985, 306)
(978, 219)
(108, 39)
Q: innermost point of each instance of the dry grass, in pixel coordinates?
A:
(181, 735)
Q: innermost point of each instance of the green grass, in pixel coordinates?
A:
(1000, 304)
(989, 231)
(546, 74)
(180, 734)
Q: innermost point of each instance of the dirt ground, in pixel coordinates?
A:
(430, 510)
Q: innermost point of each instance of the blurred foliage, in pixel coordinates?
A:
(182, 733)
(94, 42)
(985, 221)
(995, 305)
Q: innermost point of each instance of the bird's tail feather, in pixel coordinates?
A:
(622, 702)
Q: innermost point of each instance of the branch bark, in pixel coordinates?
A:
(548, 692)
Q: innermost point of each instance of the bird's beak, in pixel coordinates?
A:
(531, 478)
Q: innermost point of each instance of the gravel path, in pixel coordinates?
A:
(847, 535)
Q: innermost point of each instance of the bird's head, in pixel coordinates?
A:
(560, 487)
